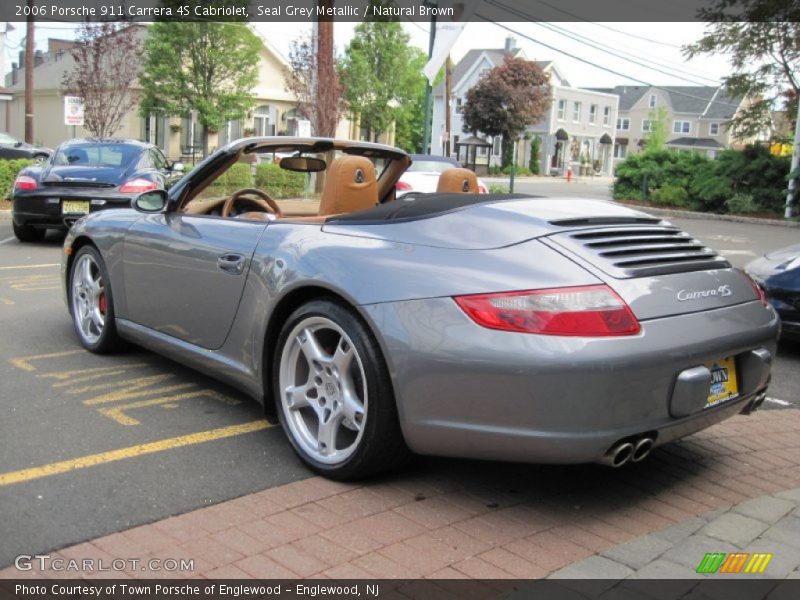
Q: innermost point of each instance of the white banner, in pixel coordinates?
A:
(447, 31)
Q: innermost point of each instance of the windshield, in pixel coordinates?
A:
(431, 166)
(265, 173)
(96, 155)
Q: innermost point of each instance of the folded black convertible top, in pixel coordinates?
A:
(420, 206)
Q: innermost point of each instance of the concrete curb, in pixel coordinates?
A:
(688, 214)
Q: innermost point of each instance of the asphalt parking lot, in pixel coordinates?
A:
(93, 445)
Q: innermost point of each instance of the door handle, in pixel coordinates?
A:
(231, 263)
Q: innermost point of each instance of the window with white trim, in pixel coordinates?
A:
(576, 111)
(261, 124)
(562, 110)
(623, 124)
(713, 129)
(459, 106)
(593, 113)
(606, 116)
(647, 125)
(620, 150)
(681, 127)
(652, 102)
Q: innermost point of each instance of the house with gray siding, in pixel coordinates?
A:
(578, 130)
(696, 117)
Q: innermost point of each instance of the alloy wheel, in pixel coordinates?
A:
(88, 298)
(323, 390)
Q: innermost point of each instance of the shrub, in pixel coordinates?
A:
(656, 169)
(519, 172)
(235, 178)
(8, 173)
(498, 188)
(752, 171)
(495, 170)
(536, 152)
(280, 183)
(742, 204)
(671, 195)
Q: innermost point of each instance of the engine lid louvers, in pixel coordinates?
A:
(640, 251)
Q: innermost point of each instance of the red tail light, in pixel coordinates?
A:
(402, 186)
(25, 182)
(592, 310)
(762, 297)
(137, 186)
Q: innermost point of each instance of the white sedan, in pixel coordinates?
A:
(423, 174)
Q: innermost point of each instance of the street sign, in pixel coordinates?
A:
(73, 110)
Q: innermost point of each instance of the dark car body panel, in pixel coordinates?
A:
(18, 150)
(782, 287)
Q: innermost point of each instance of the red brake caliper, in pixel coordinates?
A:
(102, 302)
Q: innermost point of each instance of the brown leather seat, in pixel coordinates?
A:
(457, 181)
(350, 186)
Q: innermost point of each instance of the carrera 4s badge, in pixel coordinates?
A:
(722, 291)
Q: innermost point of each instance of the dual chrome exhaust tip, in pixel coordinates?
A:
(622, 453)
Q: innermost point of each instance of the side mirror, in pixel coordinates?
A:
(154, 201)
(177, 166)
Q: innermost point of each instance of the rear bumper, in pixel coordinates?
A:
(43, 209)
(466, 391)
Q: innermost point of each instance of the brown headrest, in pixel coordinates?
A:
(350, 186)
(457, 181)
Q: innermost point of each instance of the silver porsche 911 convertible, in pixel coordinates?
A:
(450, 323)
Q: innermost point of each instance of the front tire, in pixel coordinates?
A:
(26, 233)
(91, 302)
(335, 399)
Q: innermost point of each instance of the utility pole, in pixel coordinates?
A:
(29, 49)
(793, 183)
(325, 92)
(448, 84)
(426, 127)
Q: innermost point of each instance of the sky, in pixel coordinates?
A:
(656, 46)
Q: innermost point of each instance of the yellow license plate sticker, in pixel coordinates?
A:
(75, 207)
(724, 383)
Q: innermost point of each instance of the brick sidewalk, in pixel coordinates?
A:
(464, 519)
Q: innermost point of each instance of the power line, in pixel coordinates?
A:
(626, 56)
(602, 68)
(588, 42)
(579, 18)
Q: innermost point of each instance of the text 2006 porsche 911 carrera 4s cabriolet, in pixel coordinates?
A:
(501, 327)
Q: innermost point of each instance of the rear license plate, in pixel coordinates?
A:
(74, 207)
(724, 383)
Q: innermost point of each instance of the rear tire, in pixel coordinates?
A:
(26, 233)
(333, 393)
(91, 302)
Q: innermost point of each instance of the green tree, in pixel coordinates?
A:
(762, 39)
(506, 100)
(383, 82)
(657, 136)
(207, 66)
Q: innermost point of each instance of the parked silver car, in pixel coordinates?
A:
(485, 326)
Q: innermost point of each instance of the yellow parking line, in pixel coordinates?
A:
(44, 266)
(131, 452)
(23, 362)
